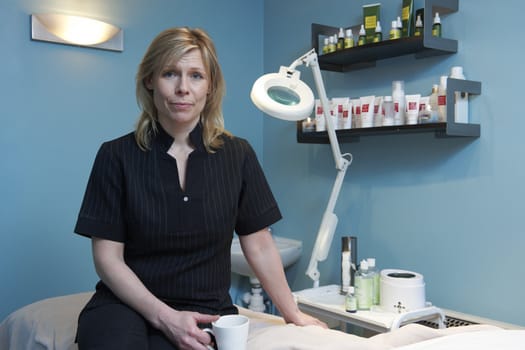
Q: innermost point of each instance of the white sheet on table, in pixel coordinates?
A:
(51, 324)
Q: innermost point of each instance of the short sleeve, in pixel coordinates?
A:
(257, 206)
(101, 213)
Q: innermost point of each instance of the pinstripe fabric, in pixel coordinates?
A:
(177, 242)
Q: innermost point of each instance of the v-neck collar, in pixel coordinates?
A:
(165, 140)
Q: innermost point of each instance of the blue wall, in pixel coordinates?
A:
(60, 102)
(447, 208)
(450, 209)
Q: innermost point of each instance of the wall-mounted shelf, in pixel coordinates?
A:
(445, 129)
(365, 56)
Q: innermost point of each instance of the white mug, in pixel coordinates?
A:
(230, 332)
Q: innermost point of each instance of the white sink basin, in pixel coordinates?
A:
(289, 249)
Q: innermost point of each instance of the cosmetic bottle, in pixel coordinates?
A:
(349, 39)
(375, 280)
(433, 100)
(340, 39)
(332, 44)
(345, 272)
(395, 32)
(364, 287)
(362, 36)
(350, 300)
(326, 46)
(419, 26)
(436, 26)
(442, 99)
(398, 96)
(378, 35)
(460, 98)
(348, 262)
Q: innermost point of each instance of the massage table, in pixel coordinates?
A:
(51, 324)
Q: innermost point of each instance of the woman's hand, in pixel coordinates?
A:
(181, 328)
(264, 259)
(302, 319)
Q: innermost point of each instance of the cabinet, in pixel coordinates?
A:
(365, 56)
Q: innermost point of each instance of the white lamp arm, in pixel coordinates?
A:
(310, 59)
(326, 231)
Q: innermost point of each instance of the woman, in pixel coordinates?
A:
(162, 204)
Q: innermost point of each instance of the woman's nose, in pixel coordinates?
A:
(182, 86)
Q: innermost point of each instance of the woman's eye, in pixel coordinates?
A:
(168, 74)
(197, 75)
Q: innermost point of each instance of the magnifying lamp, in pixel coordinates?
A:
(283, 95)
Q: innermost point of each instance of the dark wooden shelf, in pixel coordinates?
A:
(445, 129)
(354, 135)
(365, 56)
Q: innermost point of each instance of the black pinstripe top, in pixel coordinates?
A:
(177, 242)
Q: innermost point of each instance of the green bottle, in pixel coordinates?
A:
(419, 26)
(341, 39)
(349, 39)
(436, 27)
(378, 35)
(362, 36)
(350, 301)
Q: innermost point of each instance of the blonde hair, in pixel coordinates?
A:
(168, 47)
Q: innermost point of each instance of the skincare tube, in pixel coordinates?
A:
(388, 111)
(347, 114)
(412, 108)
(378, 111)
(425, 112)
(367, 111)
(338, 106)
(319, 117)
(442, 99)
(356, 112)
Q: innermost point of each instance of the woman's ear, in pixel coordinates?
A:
(148, 84)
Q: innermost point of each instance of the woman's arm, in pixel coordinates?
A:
(263, 257)
(180, 327)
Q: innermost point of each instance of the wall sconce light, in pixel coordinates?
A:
(78, 31)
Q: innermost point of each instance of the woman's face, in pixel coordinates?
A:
(180, 91)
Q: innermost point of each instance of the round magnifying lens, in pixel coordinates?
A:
(284, 95)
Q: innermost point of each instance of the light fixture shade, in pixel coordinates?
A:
(76, 30)
(283, 95)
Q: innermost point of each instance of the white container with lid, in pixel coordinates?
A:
(401, 291)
